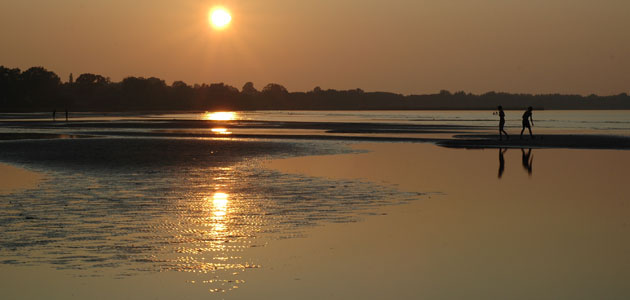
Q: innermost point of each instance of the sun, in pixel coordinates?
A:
(220, 18)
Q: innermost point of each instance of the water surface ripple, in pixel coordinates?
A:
(148, 205)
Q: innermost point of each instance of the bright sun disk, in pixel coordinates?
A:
(220, 18)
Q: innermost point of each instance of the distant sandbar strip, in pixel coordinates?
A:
(452, 136)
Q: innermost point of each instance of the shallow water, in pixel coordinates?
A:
(132, 206)
(550, 224)
(152, 212)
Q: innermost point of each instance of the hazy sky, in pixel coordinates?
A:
(406, 46)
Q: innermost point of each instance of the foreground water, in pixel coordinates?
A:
(147, 205)
(553, 227)
(173, 217)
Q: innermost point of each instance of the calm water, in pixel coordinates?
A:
(599, 120)
(126, 207)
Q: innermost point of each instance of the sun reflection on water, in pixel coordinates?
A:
(220, 202)
(206, 220)
(220, 116)
(220, 131)
(219, 212)
(216, 242)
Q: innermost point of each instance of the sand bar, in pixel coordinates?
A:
(13, 179)
(455, 136)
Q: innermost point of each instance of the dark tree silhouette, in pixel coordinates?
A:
(88, 80)
(9, 87)
(276, 90)
(38, 89)
(249, 89)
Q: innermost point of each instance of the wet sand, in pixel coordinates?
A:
(13, 179)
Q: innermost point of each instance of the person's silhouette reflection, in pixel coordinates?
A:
(528, 159)
(501, 161)
(502, 124)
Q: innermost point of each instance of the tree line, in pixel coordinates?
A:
(38, 89)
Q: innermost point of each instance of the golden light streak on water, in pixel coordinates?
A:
(220, 116)
(220, 131)
(219, 217)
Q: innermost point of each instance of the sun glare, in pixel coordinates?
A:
(220, 200)
(220, 116)
(220, 18)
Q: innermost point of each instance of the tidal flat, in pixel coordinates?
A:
(136, 214)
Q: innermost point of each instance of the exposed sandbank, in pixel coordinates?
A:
(567, 141)
(13, 179)
(7, 136)
(456, 136)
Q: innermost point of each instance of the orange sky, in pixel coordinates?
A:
(406, 46)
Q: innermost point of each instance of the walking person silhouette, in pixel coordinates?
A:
(527, 116)
(502, 124)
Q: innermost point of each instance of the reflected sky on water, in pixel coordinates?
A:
(132, 206)
(527, 161)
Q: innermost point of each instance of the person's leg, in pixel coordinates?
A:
(522, 130)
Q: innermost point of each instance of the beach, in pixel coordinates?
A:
(311, 210)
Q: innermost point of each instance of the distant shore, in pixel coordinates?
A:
(38, 89)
